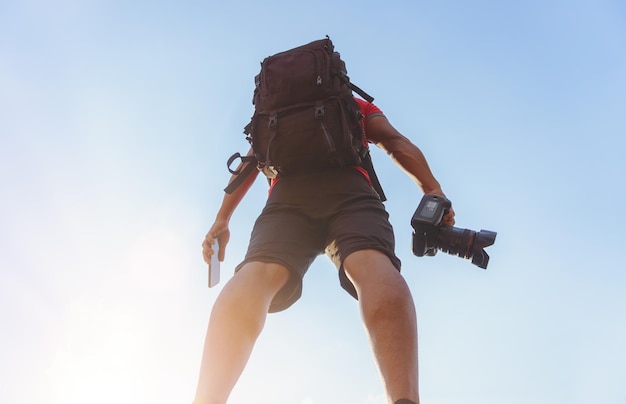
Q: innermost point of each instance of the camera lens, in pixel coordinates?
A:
(466, 243)
(455, 241)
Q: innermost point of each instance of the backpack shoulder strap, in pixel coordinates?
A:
(366, 162)
(362, 93)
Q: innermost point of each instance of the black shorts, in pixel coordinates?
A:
(336, 212)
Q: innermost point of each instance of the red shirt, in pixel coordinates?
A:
(368, 110)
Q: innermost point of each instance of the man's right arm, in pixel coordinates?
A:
(406, 155)
(219, 230)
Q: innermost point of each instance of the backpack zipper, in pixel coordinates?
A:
(319, 80)
(329, 140)
(319, 115)
(319, 77)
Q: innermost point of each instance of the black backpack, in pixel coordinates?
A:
(305, 118)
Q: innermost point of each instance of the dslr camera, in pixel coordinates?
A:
(429, 235)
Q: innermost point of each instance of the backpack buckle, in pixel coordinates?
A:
(270, 171)
(319, 111)
(273, 122)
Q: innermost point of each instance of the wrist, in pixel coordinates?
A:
(222, 217)
(434, 189)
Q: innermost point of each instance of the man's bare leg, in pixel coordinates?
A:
(389, 315)
(236, 321)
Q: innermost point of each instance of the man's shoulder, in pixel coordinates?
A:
(368, 109)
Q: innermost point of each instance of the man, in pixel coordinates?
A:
(337, 212)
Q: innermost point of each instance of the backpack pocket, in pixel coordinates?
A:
(304, 138)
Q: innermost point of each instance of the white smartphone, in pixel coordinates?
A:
(214, 266)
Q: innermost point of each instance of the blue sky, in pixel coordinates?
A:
(116, 120)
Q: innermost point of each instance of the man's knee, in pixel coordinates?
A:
(366, 267)
(245, 299)
(379, 285)
(268, 275)
(257, 281)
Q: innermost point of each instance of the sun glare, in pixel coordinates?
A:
(103, 360)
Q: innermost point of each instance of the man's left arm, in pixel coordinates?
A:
(406, 155)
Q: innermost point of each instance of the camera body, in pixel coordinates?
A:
(429, 235)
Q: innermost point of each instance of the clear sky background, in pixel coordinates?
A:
(116, 120)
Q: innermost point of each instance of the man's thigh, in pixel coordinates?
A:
(289, 239)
